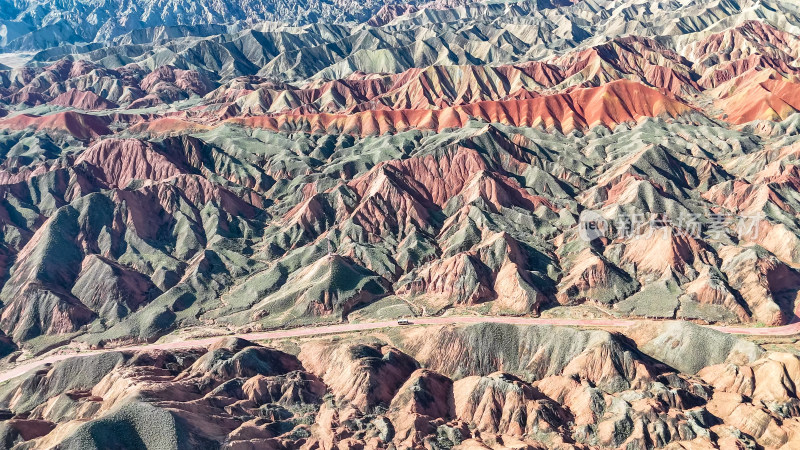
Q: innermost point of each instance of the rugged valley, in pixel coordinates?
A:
(189, 169)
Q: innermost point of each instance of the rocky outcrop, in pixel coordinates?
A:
(580, 109)
(364, 376)
(86, 100)
(689, 348)
(361, 391)
(536, 352)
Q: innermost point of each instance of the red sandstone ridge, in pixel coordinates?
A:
(431, 87)
(750, 37)
(86, 100)
(730, 70)
(607, 105)
(728, 54)
(118, 161)
(634, 56)
(168, 78)
(389, 12)
(442, 86)
(758, 95)
(82, 126)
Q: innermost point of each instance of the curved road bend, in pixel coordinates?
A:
(792, 328)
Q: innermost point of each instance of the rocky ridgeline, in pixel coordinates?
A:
(477, 386)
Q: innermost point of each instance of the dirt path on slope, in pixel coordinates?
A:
(790, 329)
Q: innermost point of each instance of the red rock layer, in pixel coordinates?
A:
(82, 126)
(82, 100)
(610, 104)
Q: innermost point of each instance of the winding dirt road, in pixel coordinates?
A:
(786, 330)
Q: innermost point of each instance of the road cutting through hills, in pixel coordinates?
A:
(785, 330)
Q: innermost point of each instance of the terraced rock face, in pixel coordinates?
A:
(482, 386)
(436, 156)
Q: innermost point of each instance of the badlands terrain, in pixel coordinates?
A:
(173, 170)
